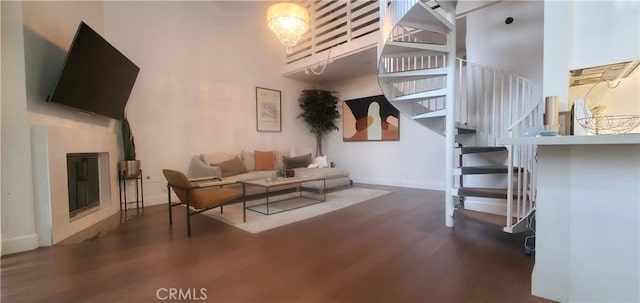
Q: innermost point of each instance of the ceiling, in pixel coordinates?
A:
(596, 74)
(355, 65)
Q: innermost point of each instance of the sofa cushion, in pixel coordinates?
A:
(295, 162)
(249, 160)
(231, 167)
(264, 160)
(327, 173)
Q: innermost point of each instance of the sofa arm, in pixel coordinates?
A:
(199, 168)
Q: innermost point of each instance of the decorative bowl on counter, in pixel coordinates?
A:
(610, 125)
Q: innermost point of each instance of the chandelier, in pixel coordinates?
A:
(288, 21)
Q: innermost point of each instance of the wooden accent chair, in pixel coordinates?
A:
(200, 196)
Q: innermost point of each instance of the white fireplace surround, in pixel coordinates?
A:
(51, 144)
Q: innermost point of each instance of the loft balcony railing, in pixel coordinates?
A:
(333, 23)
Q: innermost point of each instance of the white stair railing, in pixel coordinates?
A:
(500, 104)
(521, 203)
(491, 101)
(487, 100)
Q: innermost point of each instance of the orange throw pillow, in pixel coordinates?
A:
(264, 160)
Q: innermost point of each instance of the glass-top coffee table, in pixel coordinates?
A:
(287, 203)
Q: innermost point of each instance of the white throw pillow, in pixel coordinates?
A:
(249, 160)
(321, 161)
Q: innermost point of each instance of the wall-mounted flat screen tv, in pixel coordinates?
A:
(96, 77)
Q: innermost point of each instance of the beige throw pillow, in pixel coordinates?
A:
(216, 157)
(249, 160)
(231, 167)
(279, 155)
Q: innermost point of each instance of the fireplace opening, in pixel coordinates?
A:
(83, 182)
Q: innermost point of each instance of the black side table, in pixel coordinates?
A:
(122, 186)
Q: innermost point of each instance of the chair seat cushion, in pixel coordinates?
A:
(208, 197)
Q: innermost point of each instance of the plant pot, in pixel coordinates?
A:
(129, 169)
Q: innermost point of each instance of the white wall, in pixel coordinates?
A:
(35, 36)
(416, 160)
(515, 47)
(557, 49)
(18, 226)
(604, 32)
(200, 63)
(49, 30)
(1, 192)
(582, 34)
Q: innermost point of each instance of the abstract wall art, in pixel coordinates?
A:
(370, 119)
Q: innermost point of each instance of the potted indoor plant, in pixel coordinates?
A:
(129, 167)
(320, 111)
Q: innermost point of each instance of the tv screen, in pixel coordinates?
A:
(96, 77)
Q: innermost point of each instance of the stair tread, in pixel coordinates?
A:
(433, 20)
(482, 192)
(412, 75)
(443, 48)
(481, 149)
(464, 127)
(432, 114)
(435, 93)
(496, 193)
(464, 130)
(486, 169)
(411, 49)
(494, 220)
(416, 72)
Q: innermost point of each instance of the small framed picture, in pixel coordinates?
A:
(268, 110)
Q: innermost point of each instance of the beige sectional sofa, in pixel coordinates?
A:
(206, 165)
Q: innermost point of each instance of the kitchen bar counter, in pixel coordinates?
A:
(573, 140)
(587, 218)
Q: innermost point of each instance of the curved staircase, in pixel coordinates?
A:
(470, 104)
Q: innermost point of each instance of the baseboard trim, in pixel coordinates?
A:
(400, 183)
(19, 244)
(159, 199)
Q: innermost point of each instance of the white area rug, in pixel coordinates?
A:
(257, 222)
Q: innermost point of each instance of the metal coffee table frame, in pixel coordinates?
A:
(269, 185)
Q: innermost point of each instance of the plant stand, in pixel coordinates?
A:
(122, 186)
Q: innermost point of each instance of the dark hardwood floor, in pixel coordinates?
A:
(392, 249)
